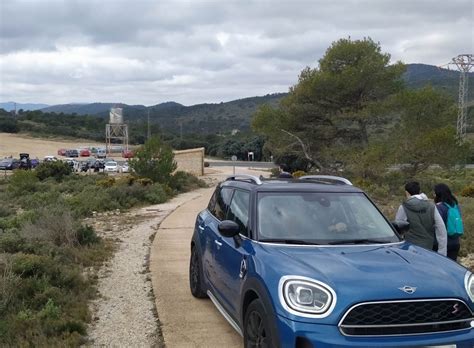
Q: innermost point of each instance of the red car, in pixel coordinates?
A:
(85, 153)
(62, 152)
(127, 153)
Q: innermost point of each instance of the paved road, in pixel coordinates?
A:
(185, 320)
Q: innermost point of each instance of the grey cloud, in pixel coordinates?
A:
(203, 51)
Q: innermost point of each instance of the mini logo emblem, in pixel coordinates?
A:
(455, 308)
(408, 289)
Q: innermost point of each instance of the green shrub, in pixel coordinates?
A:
(57, 170)
(156, 194)
(11, 242)
(106, 182)
(144, 181)
(184, 182)
(54, 225)
(298, 173)
(468, 191)
(22, 182)
(86, 235)
(38, 200)
(9, 283)
(28, 265)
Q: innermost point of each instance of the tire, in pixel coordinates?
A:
(257, 330)
(196, 280)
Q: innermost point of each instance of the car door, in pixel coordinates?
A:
(213, 241)
(231, 255)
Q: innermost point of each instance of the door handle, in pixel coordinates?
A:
(218, 243)
(201, 228)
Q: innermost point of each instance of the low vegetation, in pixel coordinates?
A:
(48, 256)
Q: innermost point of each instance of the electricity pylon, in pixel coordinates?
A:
(464, 62)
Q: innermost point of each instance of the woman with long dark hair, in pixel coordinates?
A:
(445, 200)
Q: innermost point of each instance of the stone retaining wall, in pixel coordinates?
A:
(191, 160)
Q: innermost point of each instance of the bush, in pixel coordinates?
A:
(106, 182)
(22, 182)
(184, 182)
(86, 235)
(57, 170)
(468, 191)
(9, 283)
(298, 173)
(54, 225)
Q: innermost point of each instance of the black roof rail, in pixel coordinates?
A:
(253, 178)
(327, 178)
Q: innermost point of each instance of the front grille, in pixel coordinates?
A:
(406, 317)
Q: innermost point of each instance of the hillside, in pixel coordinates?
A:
(419, 75)
(237, 114)
(10, 106)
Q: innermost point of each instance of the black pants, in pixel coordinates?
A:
(452, 248)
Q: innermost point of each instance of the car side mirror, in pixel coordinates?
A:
(401, 226)
(228, 228)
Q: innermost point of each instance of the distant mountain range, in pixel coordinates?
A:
(10, 106)
(237, 114)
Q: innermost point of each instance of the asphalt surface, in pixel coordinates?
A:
(185, 320)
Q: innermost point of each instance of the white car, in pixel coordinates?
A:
(111, 167)
(50, 159)
(125, 168)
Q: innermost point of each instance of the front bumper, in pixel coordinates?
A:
(306, 335)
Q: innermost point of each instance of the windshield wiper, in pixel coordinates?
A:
(356, 241)
(287, 241)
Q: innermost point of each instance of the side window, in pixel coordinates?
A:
(212, 202)
(239, 210)
(221, 200)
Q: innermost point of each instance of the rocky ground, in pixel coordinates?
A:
(124, 313)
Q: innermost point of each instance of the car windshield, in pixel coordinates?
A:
(321, 218)
(111, 164)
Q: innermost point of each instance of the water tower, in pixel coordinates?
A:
(116, 131)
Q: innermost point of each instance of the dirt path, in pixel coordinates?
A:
(124, 313)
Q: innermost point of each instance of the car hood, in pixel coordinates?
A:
(372, 272)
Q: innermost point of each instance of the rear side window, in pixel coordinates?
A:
(220, 202)
(239, 210)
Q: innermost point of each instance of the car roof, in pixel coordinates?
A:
(290, 185)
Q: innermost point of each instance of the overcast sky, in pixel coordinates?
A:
(148, 52)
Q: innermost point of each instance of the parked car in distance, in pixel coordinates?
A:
(312, 262)
(101, 153)
(111, 167)
(34, 162)
(85, 153)
(74, 164)
(62, 152)
(9, 164)
(50, 158)
(124, 168)
(127, 154)
(25, 162)
(72, 153)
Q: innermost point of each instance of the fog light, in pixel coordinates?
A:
(472, 323)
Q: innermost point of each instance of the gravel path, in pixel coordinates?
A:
(124, 313)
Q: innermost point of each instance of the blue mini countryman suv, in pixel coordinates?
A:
(312, 262)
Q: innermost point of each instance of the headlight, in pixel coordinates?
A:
(306, 297)
(469, 284)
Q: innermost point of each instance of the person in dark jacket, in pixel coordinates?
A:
(426, 225)
(443, 195)
(284, 173)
